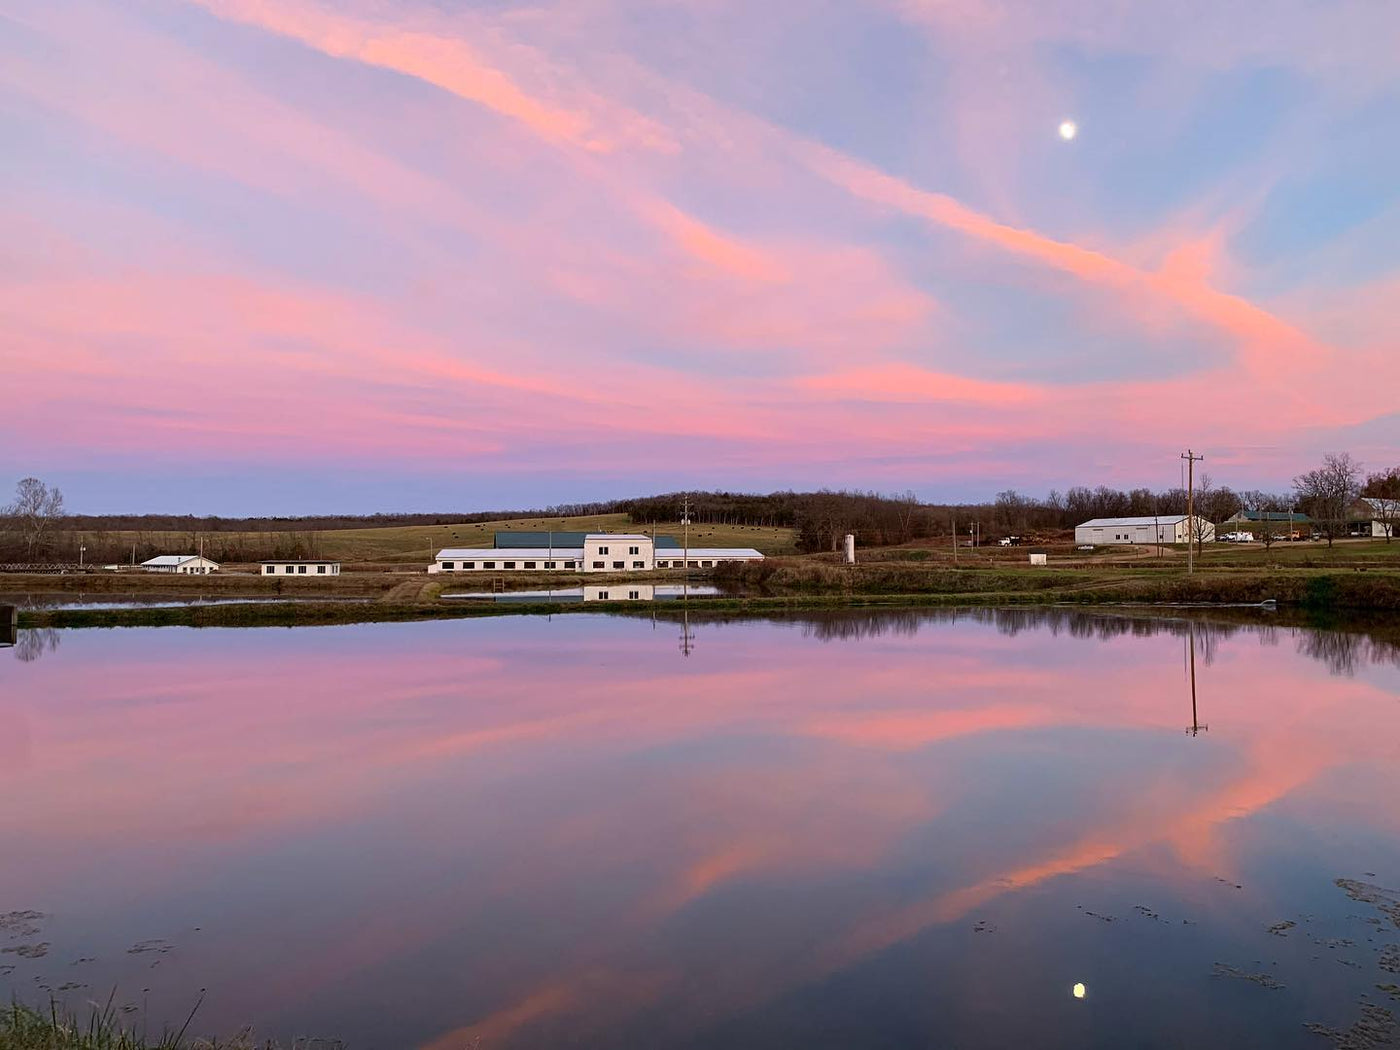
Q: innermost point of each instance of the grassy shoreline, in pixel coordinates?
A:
(1316, 591)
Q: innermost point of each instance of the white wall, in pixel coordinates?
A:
(282, 568)
(611, 554)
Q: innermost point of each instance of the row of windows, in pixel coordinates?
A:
(630, 550)
(511, 565)
(270, 569)
(679, 564)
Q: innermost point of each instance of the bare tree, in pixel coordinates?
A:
(1382, 491)
(1201, 526)
(906, 506)
(36, 509)
(1329, 491)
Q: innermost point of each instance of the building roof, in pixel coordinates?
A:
(172, 559)
(1372, 505)
(513, 553)
(1160, 519)
(1297, 518)
(570, 539)
(714, 552)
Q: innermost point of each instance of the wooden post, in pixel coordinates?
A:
(9, 624)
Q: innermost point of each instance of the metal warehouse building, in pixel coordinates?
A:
(1165, 528)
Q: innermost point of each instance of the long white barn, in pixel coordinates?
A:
(584, 552)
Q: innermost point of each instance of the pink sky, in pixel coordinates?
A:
(383, 255)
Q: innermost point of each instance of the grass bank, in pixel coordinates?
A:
(806, 586)
(23, 1028)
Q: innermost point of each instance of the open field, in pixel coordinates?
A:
(413, 544)
(1345, 553)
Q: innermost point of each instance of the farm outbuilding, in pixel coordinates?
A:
(585, 552)
(310, 567)
(1165, 528)
(181, 564)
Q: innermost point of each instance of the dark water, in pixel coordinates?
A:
(922, 829)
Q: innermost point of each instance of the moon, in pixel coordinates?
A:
(1068, 129)
(1079, 991)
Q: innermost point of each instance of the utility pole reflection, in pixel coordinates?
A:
(1195, 728)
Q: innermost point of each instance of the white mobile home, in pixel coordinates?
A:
(1165, 528)
(301, 568)
(182, 564)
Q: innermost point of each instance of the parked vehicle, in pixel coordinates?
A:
(1085, 547)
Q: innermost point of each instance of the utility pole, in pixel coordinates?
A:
(1191, 460)
(685, 542)
(953, 527)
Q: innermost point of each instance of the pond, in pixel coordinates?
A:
(972, 829)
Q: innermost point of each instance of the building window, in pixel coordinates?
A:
(507, 564)
(269, 569)
(469, 565)
(603, 596)
(301, 569)
(639, 565)
(602, 550)
(619, 565)
(488, 565)
(600, 565)
(449, 565)
(529, 565)
(290, 570)
(569, 565)
(706, 564)
(634, 550)
(695, 565)
(321, 569)
(634, 595)
(549, 565)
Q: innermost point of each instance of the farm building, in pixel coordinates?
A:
(583, 552)
(704, 557)
(182, 564)
(1369, 517)
(301, 568)
(1165, 528)
(1273, 517)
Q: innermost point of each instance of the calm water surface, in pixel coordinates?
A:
(915, 830)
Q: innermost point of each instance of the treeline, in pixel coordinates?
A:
(36, 527)
(302, 523)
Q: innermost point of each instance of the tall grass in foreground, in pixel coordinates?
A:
(23, 1028)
